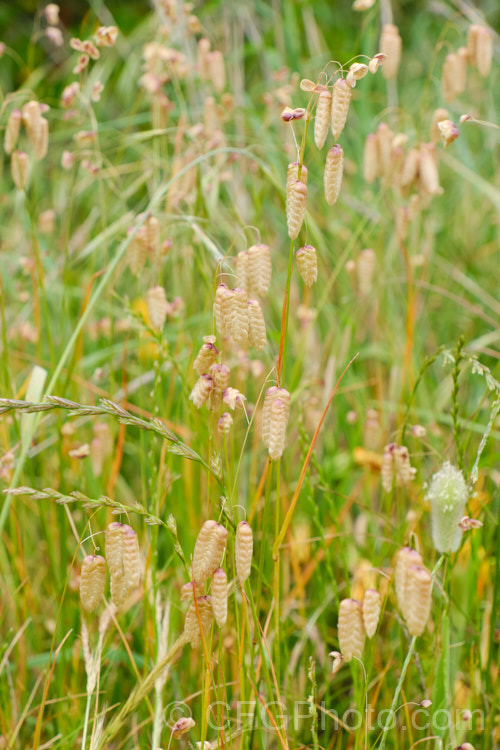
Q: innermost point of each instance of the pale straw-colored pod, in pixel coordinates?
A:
(405, 559)
(208, 550)
(277, 429)
(241, 269)
(237, 316)
(222, 294)
(220, 375)
(199, 613)
(307, 263)
(156, 302)
(92, 581)
(19, 166)
(351, 631)
(372, 605)
(243, 551)
(417, 602)
(201, 391)
(296, 207)
(439, 114)
(271, 395)
(114, 548)
(322, 118)
(334, 169)
(131, 558)
(219, 596)
(12, 131)
(256, 325)
(259, 269)
(119, 590)
(391, 46)
(366, 269)
(341, 98)
(206, 357)
(371, 162)
(428, 170)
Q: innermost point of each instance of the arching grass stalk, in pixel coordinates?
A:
(392, 710)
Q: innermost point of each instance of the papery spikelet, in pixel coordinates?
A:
(480, 48)
(405, 559)
(202, 62)
(220, 375)
(448, 131)
(272, 394)
(151, 230)
(341, 98)
(219, 597)
(208, 550)
(51, 13)
(233, 398)
(92, 581)
(461, 70)
(206, 356)
(447, 495)
(351, 631)
(41, 138)
(371, 611)
(259, 269)
(439, 114)
(201, 609)
(31, 115)
(410, 167)
(384, 145)
(451, 77)
(390, 45)
(201, 391)
(217, 70)
(189, 590)
(334, 169)
(224, 423)
(131, 558)
(19, 165)
(214, 399)
(12, 131)
(296, 207)
(222, 296)
(256, 325)
(427, 169)
(366, 269)
(417, 602)
(243, 550)
(293, 174)
(356, 72)
(307, 263)
(118, 586)
(277, 429)
(322, 119)
(371, 163)
(156, 301)
(114, 548)
(241, 269)
(237, 315)
(210, 117)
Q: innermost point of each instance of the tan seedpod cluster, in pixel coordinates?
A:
(157, 305)
(208, 550)
(275, 413)
(418, 598)
(201, 390)
(307, 263)
(322, 118)
(12, 131)
(256, 325)
(351, 630)
(296, 200)
(219, 596)
(391, 46)
(123, 558)
(407, 557)
(334, 169)
(396, 467)
(199, 618)
(92, 581)
(372, 604)
(144, 244)
(243, 551)
(341, 98)
(480, 48)
(19, 167)
(207, 355)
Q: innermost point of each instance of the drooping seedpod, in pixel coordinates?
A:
(92, 581)
(12, 131)
(334, 168)
(219, 596)
(222, 297)
(259, 269)
(270, 397)
(351, 630)
(114, 548)
(131, 558)
(371, 611)
(201, 391)
(341, 98)
(417, 602)
(256, 325)
(427, 169)
(243, 551)
(220, 375)
(277, 429)
(296, 207)
(405, 559)
(19, 165)
(236, 322)
(371, 163)
(201, 609)
(241, 269)
(206, 356)
(322, 118)
(307, 263)
(208, 550)
(390, 45)
(480, 48)
(156, 302)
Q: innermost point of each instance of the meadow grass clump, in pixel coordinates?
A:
(262, 462)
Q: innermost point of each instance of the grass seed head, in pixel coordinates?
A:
(390, 46)
(222, 295)
(334, 169)
(447, 495)
(114, 548)
(187, 590)
(439, 114)
(216, 70)
(182, 726)
(322, 118)
(241, 268)
(448, 131)
(220, 375)
(366, 269)
(237, 315)
(201, 609)
(371, 162)
(201, 391)
(256, 325)
(341, 98)
(219, 596)
(19, 167)
(296, 207)
(405, 559)
(428, 170)
(208, 550)
(480, 48)
(417, 603)
(243, 551)
(131, 558)
(119, 590)
(307, 263)
(206, 357)
(12, 131)
(271, 395)
(351, 630)
(156, 301)
(372, 605)
(453, 76)
(409, 168)
(259, 270)
(92, 581)
(224, 423)
(277, 429)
